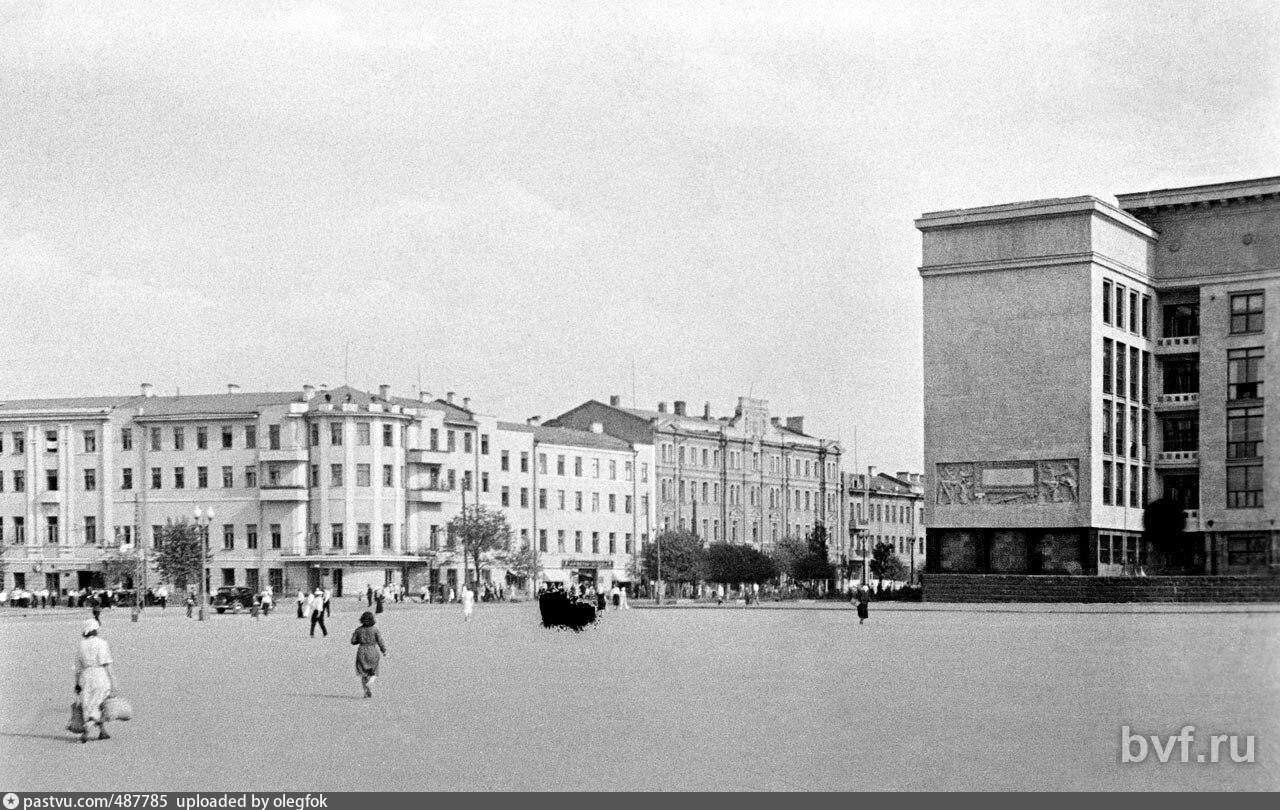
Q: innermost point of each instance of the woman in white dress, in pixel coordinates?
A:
(468, 602)
(94, 678)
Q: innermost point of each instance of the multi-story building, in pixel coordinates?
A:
(340, 487)
(890, 510)
(746, 478)
(1082, 359)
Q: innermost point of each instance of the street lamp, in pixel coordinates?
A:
(203, 519)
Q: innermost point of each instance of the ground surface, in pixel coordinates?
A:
(647, 699)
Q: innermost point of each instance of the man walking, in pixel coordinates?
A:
(326, 594)
(162, 596)
(368, 595)
(318, 606)
(863, 596)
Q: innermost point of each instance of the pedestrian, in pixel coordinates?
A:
(268, 601)
(451, 594)
(95, 604)
(615, 596)
(317, 606)
(162, 596)
(468, 602)
(599, 600)
(325, 596)
(369, 652)
(368, 595)
(191, 603)
(426, 593)
(720, 594)
(379, 598)
(863, 596)
(94, 679)
(302, 598)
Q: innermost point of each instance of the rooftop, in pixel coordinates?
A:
(1031, 209)
(1208, 193)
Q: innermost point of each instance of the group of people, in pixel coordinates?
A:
(316, 606)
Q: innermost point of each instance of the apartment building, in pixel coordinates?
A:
(748, 477)
(342, 488)
(1083, 359)
(889, 509)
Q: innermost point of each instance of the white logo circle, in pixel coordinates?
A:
(10, 801)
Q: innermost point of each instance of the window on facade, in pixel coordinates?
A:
(277, 536)
(389, 436)
(1121, 376)
(51, 529)
(505, 496)
(1244, 433)
(1106, 302)
(484, 444)
(504, 461)
(364, 475)
(1244, 374)
(1181, 320)
(524, 462)
(1247, 549)
(1181, 376)
(1119, 491)
(1108, 364)
(251, 476)
(227, 440)
(1120, 430)
(273, 437)
(1133, 312)
(335, 475)
(179, 477)
(126, 478)
(362, 536)
(1135, 382)
(1146, 316)
(1180, 433)
(1244, 486)
(1107, 482)
(228, 536)
(126, 439)
(434, 439)
(1120, 297)
(389, 475)
(202, 477)
(335, 434)
(155, 439)
(542, 499)
(1246, 313)
(90, 479)
(251, 535)
(251, 436)
(337, 540)
(90, 441)
(542, 539)
(388, 536)
(364, 434)
(524, 497)
(90, 530)
(313, 435)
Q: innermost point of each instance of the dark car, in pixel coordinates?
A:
(229, 597)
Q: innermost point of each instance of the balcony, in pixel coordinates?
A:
(1189, 344)
(283, 454)
(427, 494)
(1178, 458)
(1178, 402)
(423, 455)
(51, 496)
(283, 493)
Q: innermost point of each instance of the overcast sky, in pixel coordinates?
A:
(521, 201)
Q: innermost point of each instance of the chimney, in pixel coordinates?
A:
(773, 420)
(903, 476)
(466, 403)
(796, 423)
(706, 411)
(679, 406)
(615, 400)
(147, 390)
(448, 397)
(424, 396)
(534, 420)
(308, 391)
(597, 427)
(232, 389)
(384, 391)
(662, 407)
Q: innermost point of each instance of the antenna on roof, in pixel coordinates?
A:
(346, 364)
(633, 380)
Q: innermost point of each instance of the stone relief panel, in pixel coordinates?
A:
(1001, 483)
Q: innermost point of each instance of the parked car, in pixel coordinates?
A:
(229, 597)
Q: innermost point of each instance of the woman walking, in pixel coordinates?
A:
(94, 679)
(369, 653)
(468, 602)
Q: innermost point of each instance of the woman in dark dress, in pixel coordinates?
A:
(370, 651)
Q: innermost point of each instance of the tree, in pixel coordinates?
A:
(480, 530)
(728, 563)
(816, 563)
(681, 557)
(119, 567)
(885, 563)
(789, 554)
(179, 556)
(523, 562)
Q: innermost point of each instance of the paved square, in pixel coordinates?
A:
(673, 699)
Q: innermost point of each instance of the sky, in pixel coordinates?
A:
(537, 203)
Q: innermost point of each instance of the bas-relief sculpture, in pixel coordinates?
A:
(1042, 482)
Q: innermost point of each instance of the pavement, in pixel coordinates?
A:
(727, 699)
(976, 607)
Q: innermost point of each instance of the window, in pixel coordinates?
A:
(362, 536)
(227, 441)
(560, 499)
(126, 439)
(434, 440)
(277, 536)
(613, 502)
(51, 530)
(1119, 493)
(484, 482)
(19, 531)
(1134, 487)
(335, 475)
(542, 539)
(389, 436)
(466, 442)
(505, 461)
(595, 542)
(251, 535)
(1106, 302)
(1181, 320)
(1121, 385)
(484, 444)
(629, 471)
(1244, 433)
(364, 475)
(524, 497)
(1247, 549)
(542, 463)
(613, 470)
(1244, 486)
(126, 478)
(363, 434)
(90, 479)
(1135, 382)
(627, 508)
(179, 477)
(90, 530)
(1180, 433)
(1104, 549)
(1146, 316)
(335, 534)
(250, 436)
(1246, 313)
(273, 437)
(202, 477)
(595, 502)
(577, 501)
(1244, 374)
(388, 537)
(1133, 312)
(90, 441)
(251, 476)
(524, 462)
(506, 496)
(560, 540)
(1120, 291)
(202, 438)
(451, 440)
(1107, 365)
(313, 435)
(628, 549)
(1106, 482)
(179, 439)
(1181, 376)
(559, 465)
(1120, 431)
(577, 466)
(228, 536)
(335, 434)
(542, 499)
(388, 475)
(155, 439)
(613, 542)
(228, 478)
(1134, 416)
(577, 542)
(595, 468)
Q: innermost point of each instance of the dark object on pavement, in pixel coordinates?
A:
(228, 596)
(558, 611)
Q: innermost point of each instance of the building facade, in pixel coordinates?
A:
(338, 488)
(746, 478)
(1082, 360)
(889, 510)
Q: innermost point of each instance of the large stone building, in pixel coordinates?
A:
(1082, 359)
(340, 487)
(746, 478)
(888, 510)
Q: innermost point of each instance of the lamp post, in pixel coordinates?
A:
(203, 518)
